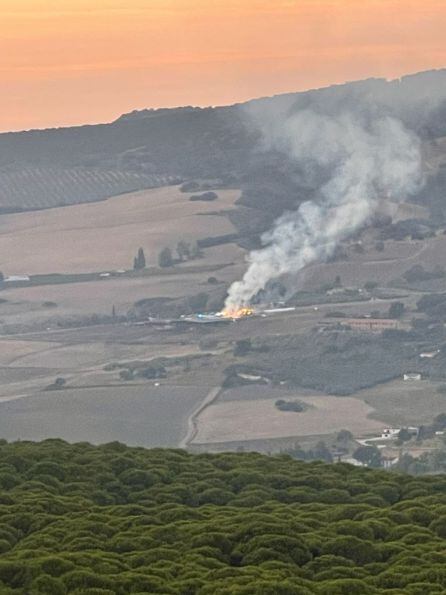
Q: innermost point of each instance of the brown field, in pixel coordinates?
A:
(30, 365)
(96, 296)
(96, 405)
(382, 267)
(96, 354)
(405, 403)
(25, 304)
(260, 419)
(12, 351)
(106, 235)
(137, 415)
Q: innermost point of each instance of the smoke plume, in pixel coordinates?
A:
(368, 159)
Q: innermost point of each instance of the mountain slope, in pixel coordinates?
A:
(218, 142)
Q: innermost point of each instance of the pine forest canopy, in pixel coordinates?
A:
(110, 519)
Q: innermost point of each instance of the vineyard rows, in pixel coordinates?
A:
(34, 188)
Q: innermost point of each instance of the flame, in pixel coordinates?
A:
(236, 313)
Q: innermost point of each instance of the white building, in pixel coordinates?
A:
(429, 354)
(412, 376)
(389, 462)
(15, 278)
(390, 433)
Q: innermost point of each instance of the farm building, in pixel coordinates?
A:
(429, 354)
(16, 278)
(393, 432)
(371, 324)
(412, 376)
(366, 324)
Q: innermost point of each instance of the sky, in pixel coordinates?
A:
(67, 62)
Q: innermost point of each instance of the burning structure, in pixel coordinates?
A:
(237, 313)
(354, 159)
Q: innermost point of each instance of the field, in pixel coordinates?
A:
(98, 297)
(381, 267)
(405, 403)
(95, 195)
(256, 419)
(96, 405)
(136, 415)
(106, 235)
(248, 416)
(31, 188)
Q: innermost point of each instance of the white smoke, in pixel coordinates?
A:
(368, 162)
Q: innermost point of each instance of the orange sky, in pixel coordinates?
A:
(66, 62)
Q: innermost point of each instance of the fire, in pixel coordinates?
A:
(236, 313)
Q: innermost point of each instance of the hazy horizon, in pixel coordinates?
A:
(67, 64)
(217, 105)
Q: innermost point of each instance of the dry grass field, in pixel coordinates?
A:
(136, 415)
(96, 405)
(96, 296)
(106, 235)
(12, 351)
(381, 267)
(26, 304)
(405, 403)
(255, 419)
(91, 355)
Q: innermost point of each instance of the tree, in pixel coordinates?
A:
(183, 250)
(396, 310)
(379, 246)
(321, 453)
(404, 435)
(370, 285)
(191, 186)
(440, 422)
(57, 384)
(165, 258)
(139, 262)
(195, 251)
(344, 437)
(368, 455)
(242, 347)
(206, 196)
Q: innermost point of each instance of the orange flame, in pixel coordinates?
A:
(236, 313)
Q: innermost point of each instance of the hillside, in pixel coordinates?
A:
(213, 143)
(113, 520)
(33, 188)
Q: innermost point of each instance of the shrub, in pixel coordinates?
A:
(206, 197)
(165, 258)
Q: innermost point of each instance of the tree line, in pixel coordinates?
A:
(167, 257)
